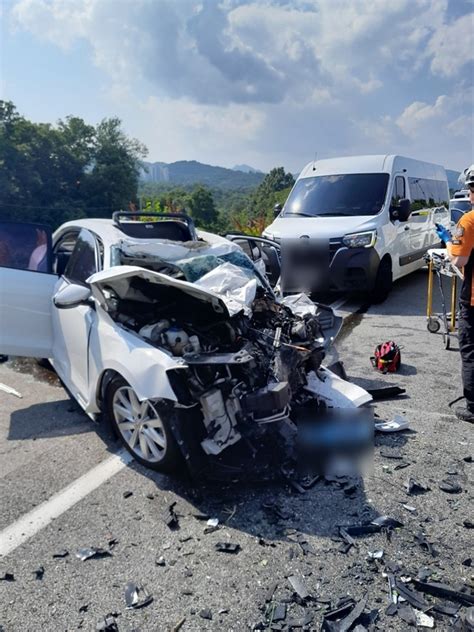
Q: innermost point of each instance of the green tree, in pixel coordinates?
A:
(268, 193)
(202, 206)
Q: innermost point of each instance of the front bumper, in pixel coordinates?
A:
(353, 269)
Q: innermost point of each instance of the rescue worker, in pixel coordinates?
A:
(460, 247)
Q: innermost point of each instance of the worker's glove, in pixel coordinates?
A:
(443, 233)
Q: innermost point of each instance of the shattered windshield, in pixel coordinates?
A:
(337, 195)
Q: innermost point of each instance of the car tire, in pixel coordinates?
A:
(383, 282)
(143, 427)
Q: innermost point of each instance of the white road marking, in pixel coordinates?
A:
(25, 527)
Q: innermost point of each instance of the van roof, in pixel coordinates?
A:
(377, 163)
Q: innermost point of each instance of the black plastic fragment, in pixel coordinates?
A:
(39, 572)
(469, 524)
(107, 624)
(279, 613)
(414, 598)
(443, 590)
(205, 613)
(305, 620)
(424, 543)
(127, 494)
(415, 488)
(61, 553)
(83, 608)
(227, 547)
(170, 518)
(333, 621)
(87, 553)
(405, 612)
(7, 577)
(386, 392)
(270, 592)
(136, 596)
(450, 486)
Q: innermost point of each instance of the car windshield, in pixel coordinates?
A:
(460, 205)
(339, 195)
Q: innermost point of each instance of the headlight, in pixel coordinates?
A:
(360, 240)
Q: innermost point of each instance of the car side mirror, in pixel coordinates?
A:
(277, 210)
(404, 209)
(72, 296)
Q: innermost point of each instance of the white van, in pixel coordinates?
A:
(378, 214)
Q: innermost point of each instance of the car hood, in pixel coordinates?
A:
(318, 227)
(117, 275)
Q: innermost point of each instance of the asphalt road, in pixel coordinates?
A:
(47, 444)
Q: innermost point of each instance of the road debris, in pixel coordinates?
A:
(9, 390)
(396, 424)
(205, 613)
(424, 543)
(177, 626)
(227, 547)
(87, 553)
(136, 596)
(39, 572)
(7, 577)
(107, 624)
(414, 488)
(170, 518)
(127, 493)
(211, 525)
(344, 616)
(450, 486)
(299, 587)
(61, 553)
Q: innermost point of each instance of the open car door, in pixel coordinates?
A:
(26, 289)
(262, 251)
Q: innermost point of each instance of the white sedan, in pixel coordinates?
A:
(175, 334)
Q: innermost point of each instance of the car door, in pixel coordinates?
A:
(72, 327)
(265, 253)
(26, 288)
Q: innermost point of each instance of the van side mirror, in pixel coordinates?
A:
(277, 210)
(401, 211)
(404, 209)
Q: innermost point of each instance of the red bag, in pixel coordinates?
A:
(387, 357)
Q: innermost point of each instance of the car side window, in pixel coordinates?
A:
(83, 260)
(62, 252)
(398, 190)
(25, 246)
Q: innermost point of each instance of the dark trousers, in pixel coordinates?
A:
(466, 347)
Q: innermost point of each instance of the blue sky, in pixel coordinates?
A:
(262, 82)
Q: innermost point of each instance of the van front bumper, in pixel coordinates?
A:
(353, 269)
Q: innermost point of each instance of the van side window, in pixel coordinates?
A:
(398, 190)
(427, 193)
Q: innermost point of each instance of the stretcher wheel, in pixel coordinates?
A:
(433, 325)
(447, 341)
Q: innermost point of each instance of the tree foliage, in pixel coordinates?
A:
(55, 173)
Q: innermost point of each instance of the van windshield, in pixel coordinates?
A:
(332, 196)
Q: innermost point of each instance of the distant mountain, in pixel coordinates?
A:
(188, 172)
(245, 169)
(453, 179)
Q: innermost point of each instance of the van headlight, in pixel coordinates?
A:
(360, 240)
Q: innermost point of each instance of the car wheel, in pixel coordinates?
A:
(142, 427)
(383, 282)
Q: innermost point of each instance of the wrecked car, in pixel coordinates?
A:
(175, 335)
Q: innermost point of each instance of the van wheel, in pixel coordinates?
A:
(143, 427)
(383, 282)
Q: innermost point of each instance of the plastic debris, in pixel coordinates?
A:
(376, 555)
(107, 624)
(7, 577)
(39, 572)
(160, 561)
(136, 596)
(414, 598)
(409, 508)
(299, 587)
(279, 612)
(386, 392)
(227, 547)
(414, 488)
(468, 524)
(177, 626)
(442, 590)
(397, 424)
(205, 613)
(450, 486)
(424, 543)
(88, 553)
(61, 553)
(127, 494)
(423, 620)
(10, 391)
(211, 525)
(170, 518)
(335, 620)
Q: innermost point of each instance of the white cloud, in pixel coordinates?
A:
(451, 47)
(412, 120)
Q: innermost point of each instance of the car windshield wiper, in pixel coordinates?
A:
(296, 213)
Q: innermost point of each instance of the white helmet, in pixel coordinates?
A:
(469, 175)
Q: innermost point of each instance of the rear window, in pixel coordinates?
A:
(338, 195)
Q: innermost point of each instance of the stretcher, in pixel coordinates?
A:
(439, 265)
